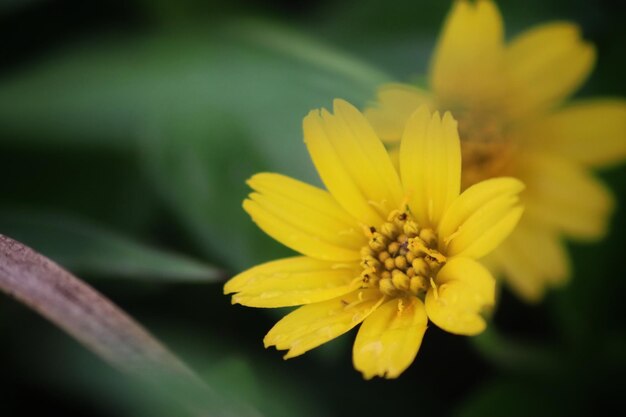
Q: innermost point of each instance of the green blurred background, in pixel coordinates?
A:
(127, 129)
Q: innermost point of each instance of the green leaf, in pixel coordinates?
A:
(86, 248)
(517, 355)
(517, 398)
(292, 44)
(199, 158)
(271, 392)
(108, 91)
(236, 377)
(206, 109)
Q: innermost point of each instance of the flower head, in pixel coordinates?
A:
(389, 250)
(508, 99)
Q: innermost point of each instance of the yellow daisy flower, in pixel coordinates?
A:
(386, 249)
(508, 100)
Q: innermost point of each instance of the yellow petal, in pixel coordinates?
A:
(389, 338)
(592, 132)
(563, 195)
(314, 324)
(396, 103)
(293, 265)
(481, 218)
(293, 281)
(310, 209)
(352, 162)
(466, 68)
(531, 260)
(295, 233)
(430, 164)
(463, 290)
(547, 64)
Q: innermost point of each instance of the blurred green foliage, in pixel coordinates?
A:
(126, 135)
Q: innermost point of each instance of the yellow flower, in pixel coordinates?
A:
(386, 249)
(508, 100)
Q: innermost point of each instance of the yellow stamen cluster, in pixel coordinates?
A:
(400, 258)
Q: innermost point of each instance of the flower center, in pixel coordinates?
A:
(400, 258)
(486, 148)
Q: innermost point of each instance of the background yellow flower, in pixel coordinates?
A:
(509, 100)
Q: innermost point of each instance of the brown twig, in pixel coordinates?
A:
(102, 327)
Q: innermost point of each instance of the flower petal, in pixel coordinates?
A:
(293, 281)
(464, 289)
(592, 132)
(352, 162)
(396, 103)
(563, 195)
(547, 64)
(293, 265)
(430, 164)
(309, 208)
(389, 338)
(304, 218)
(314, 324)
(481, 218)
(531, 260)
(467, 64)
